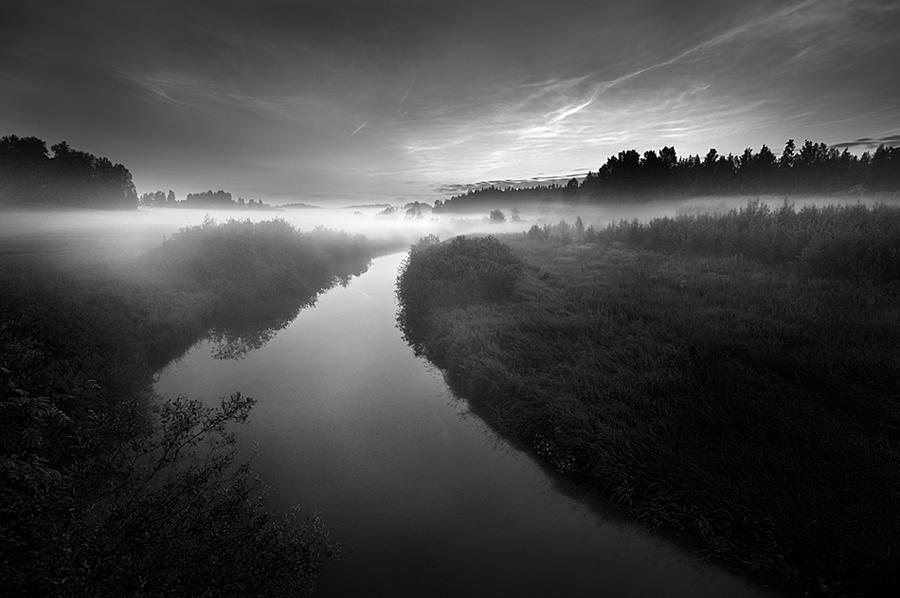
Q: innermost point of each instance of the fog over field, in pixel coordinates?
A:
(116, 235)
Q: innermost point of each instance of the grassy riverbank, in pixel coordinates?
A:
(731, 377)
(104, 490)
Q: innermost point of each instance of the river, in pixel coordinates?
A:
(423, 497)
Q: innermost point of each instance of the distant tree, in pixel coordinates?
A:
(24, 164)
(884, 171)
(497, 216)
(669, 158)
(787, 155)
(414, 212)
(29, 174)
(565, 231)
(652, 170)
(514, 214)
(814, 168)
(766, 168)
(210, 199)
(535, 233)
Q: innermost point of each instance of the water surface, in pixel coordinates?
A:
(424, 499)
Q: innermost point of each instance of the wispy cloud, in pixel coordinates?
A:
(359, 128)
(870, 142)
(564, 113)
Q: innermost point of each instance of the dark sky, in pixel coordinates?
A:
(374, 100)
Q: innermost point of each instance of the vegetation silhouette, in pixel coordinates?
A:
(813, 169)
(215, 200)
(30, 175)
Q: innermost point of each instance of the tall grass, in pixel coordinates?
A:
(718, 387)
(839, 241)
(463, 272)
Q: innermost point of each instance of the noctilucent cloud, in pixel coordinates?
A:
(337, 101)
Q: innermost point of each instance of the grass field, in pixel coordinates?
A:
(740, 392)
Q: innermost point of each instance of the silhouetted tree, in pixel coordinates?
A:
(210, 199)
(30, 174)
(815, 168)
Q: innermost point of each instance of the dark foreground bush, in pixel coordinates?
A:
(166, 512)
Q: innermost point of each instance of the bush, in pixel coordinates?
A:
(454, 274)
(253, 259)
(167, 512)
(870, 252)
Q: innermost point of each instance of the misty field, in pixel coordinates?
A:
(733, 378)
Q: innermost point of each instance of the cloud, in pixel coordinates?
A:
(564, 113)
(870, 142)
(461, 188)
(359, 128)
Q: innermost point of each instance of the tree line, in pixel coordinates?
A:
(206, 199)
(32, 174)
(810, 168)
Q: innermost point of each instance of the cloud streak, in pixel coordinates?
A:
(359, 128)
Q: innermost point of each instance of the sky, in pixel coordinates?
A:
(336, 102)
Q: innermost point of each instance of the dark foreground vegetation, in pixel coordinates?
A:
(813, 168)
(734, 378)
(104, 489)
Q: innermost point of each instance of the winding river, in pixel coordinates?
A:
(424, 499)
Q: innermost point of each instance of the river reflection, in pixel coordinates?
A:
(425, 500)
(250, 327)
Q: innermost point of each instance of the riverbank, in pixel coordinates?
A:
(100, 493)
(746, 401)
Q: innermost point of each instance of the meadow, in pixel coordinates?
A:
(729, 378)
